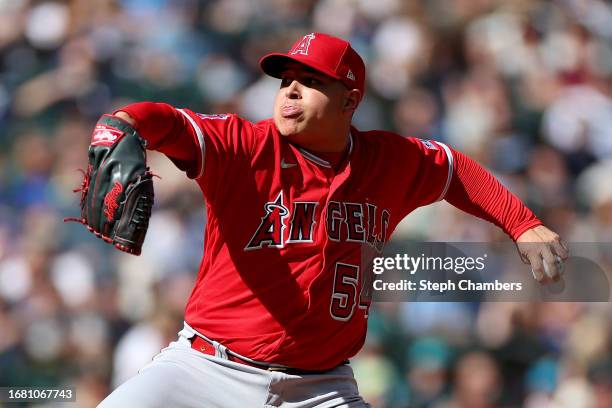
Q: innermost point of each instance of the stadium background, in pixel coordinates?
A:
(524, 87)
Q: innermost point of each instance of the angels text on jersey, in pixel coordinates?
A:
(344, 221)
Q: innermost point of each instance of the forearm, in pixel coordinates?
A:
(155, 122)
(163, 127)
(475, 191)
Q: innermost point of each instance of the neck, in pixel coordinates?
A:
(328, 142)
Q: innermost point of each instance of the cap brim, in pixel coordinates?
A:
(274, 63)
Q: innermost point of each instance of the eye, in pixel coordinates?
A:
(286, 81)
(312, 81)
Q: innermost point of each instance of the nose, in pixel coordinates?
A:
(293, 90)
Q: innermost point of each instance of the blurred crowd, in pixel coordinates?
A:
(522, 86)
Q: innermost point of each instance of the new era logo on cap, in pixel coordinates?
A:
(329, 55)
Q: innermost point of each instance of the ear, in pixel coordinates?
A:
(353, 97)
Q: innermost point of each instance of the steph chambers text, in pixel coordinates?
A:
(449, 285)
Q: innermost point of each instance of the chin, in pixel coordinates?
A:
(291, 129)
(286, 132)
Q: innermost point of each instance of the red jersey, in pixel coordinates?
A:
(287, 235)
(288, 239)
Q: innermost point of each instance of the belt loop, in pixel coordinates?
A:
(220, 350)
(187, 331)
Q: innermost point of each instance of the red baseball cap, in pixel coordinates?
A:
(329, 55)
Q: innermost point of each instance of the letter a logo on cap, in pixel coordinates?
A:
(302, 46)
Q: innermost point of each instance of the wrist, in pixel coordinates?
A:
(126, 117)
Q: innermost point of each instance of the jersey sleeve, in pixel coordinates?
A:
(428, 169)
(438, 172)
(223, 140)
(199, 144)
(477, 192)
(166, 131)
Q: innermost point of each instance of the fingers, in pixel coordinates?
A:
(537, 266)
(560, 248)
(544, 250)
(524, 257)
(560, 253)
(546, 266)
(560, 267)
(551, 264)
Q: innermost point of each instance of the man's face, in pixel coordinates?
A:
(309, 105)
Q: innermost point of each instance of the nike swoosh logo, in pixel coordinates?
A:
(287, 165)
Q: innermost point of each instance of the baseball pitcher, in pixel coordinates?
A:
(293, 203)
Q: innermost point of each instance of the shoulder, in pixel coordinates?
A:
(234, 120)
(264, 126)
(215, 119)
(224, 124)
(390, 142)
(239, 123)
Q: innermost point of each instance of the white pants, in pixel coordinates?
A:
(180, 376)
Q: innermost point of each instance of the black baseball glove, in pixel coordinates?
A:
(117, 188)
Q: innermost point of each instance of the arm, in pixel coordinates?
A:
(168, 131)
(477, 192)
(117, 188)
(125, 116)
